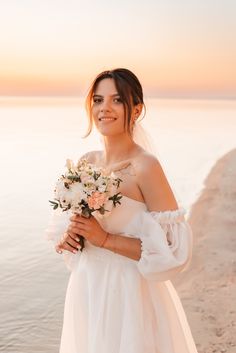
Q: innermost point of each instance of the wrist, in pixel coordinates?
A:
(110, 243)
(102, 244)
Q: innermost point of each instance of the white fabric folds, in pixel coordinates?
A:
(166, 243)
(58, 224)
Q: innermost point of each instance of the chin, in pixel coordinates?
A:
(108, 132)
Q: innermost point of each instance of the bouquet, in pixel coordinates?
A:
(84, 189)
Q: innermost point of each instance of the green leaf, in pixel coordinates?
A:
(66, 208)
(54, 204)
(102, 210)
(74, 178)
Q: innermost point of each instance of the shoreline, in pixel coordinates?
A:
(207, 288)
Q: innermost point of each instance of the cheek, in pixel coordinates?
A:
(121, 114)
(122, 121)
(94, 111)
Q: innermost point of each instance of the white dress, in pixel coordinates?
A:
(118, 305)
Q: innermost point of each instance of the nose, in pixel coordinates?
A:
(105, 106)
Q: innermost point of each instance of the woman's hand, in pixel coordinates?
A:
(69, 242)
(89, 228)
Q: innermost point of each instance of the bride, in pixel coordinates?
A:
(120, 298)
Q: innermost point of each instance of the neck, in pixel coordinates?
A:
(117, 148)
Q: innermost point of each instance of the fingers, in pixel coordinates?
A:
(78, 228)
(80, 219)
(69, 242)
(58, 249)
(67, 246)
(73, 233)
(73, 242)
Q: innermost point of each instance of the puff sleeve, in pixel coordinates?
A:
(57, 225)
(166, 243)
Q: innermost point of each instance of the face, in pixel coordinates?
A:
(107, 109)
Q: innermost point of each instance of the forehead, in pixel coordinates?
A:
(106, 86)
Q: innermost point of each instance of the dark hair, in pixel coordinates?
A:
(128, 87)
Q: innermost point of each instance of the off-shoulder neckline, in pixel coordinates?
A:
(129, 198)
(177, 210)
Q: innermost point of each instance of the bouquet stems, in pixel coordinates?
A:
(85, 213)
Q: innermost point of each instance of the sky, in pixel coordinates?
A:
(177, 48)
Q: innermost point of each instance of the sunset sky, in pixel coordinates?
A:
(181, 48)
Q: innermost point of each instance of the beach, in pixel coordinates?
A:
(195, 143)
(208, 288)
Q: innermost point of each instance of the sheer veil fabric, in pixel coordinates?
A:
(142, 138)
(145, 140)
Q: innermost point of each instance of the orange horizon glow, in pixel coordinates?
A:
(53, 49)
(172, 85)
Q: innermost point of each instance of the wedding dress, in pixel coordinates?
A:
(115, 304)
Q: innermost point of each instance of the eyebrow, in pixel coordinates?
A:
(112, 95)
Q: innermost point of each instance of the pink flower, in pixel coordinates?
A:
(96, 200)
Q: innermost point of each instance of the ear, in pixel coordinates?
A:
(137, 110)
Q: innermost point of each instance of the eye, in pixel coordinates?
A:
(118, 100)
(97, 100)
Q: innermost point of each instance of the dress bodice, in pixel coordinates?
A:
(116, 220)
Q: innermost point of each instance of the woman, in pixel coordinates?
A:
(119, 297)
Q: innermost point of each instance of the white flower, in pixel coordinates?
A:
(86, 178)
(112, 188)
(101, 184)
(70, 165)
(60, 190)
(78, 192)
(90, 188)
(76, 209)
(102, 188)
(108, 206)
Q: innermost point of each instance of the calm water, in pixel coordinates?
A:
(36, 137)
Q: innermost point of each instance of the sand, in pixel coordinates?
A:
(208, 287)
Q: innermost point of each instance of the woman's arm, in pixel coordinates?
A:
(154, 185)
(96, 235)
(157, 195)
(125, 246)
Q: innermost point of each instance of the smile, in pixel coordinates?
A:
(107, 119)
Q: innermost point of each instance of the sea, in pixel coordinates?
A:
(37, 135)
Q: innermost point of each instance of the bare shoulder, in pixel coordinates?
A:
(153, 183)
(147, 165)
(149, 169)
(145, 162)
